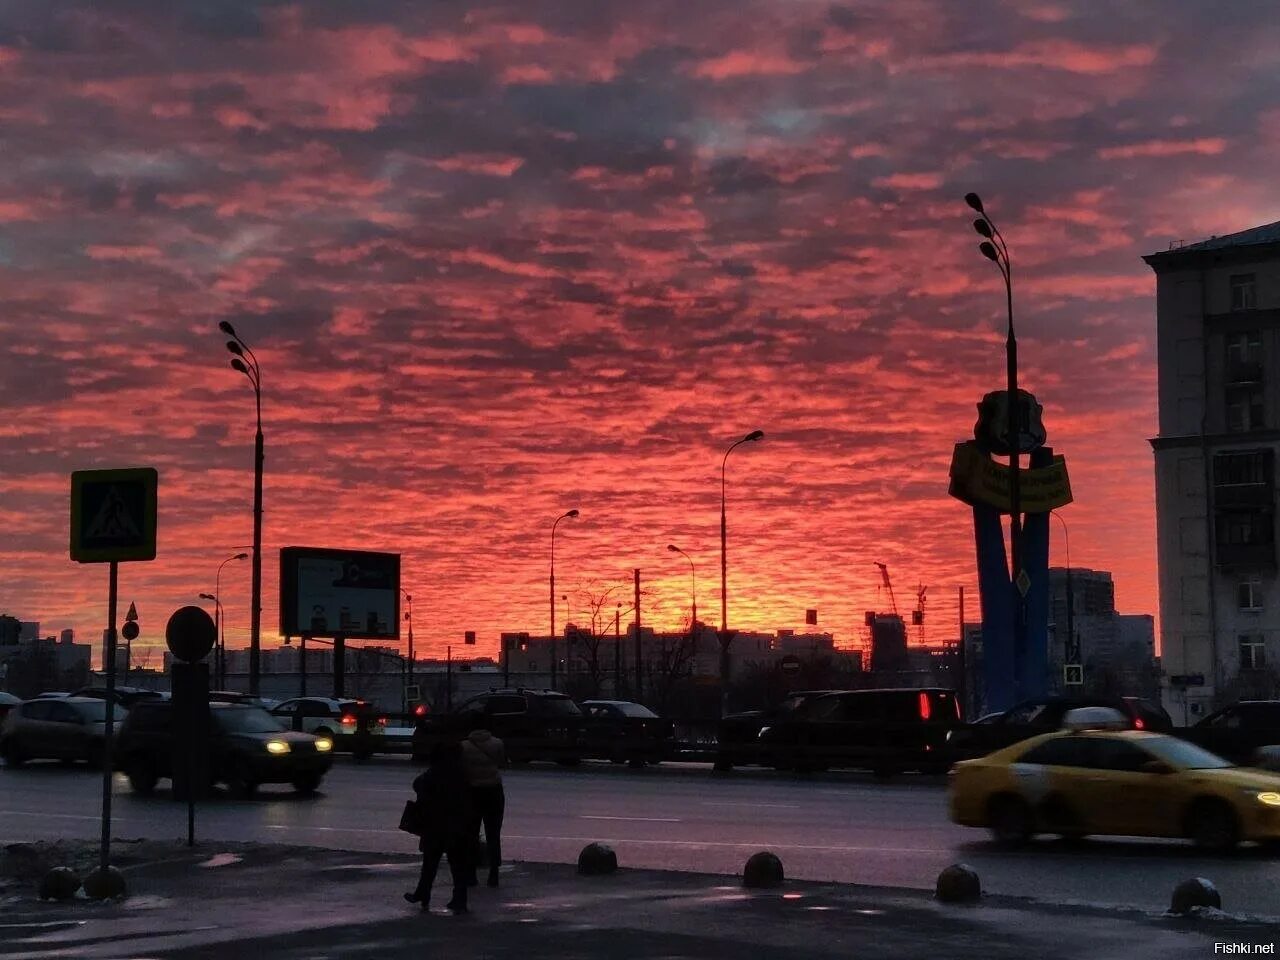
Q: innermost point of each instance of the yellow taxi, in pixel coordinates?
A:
(1132, 783)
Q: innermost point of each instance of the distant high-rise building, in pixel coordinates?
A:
(1218, 361)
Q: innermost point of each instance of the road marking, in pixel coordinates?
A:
(586, 816)
(748, 803)
(752, 845)
(285, 826)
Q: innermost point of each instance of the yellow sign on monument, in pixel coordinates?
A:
(978, 480)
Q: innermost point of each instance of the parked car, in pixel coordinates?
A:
(1030, 718)
(738, 734)
(533, 724)
(233, 696)
(247, 747)
(1239, 732)
(625, 732)
(124, 696)
(351, 724)
(887, 731)
(1077, 782)
(7, 702)
(56, 728)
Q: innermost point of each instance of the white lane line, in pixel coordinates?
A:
(299, 827)
(748, 803)
(586, 816)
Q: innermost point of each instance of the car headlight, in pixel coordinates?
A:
(323, 745)
(1270, 797)
(277, 747)
(763, 732)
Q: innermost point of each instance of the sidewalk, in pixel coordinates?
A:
(291, 903)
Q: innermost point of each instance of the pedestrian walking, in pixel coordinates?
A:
(484, 756)
(445, 814)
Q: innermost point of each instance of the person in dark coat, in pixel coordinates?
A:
(484, 756)
(445, 806)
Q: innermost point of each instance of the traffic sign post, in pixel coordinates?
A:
(113, 520)
(190, 635)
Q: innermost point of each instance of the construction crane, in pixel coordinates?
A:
(884, 572)
(917, 615)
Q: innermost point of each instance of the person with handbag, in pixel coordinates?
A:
(444, 816)
(484, 756)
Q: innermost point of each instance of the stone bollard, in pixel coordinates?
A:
(597, 859)
(763, 869)
(1196, 892)
(105, 886)
(60, 883)
(959, 883)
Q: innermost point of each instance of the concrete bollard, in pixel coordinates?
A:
(597, 859)
(959, 883)
(763, 869)
(1196, 892)
(105, 886)
(60, 883)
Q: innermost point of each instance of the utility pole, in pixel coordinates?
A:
(639, 654)
(962, 686)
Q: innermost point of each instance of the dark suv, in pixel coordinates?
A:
(532, 724)
(247, 747)
(886, 730)
(1239, 732)
(738, 734)
(1030, 718)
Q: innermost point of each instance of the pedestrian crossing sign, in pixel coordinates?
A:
(1073, 674)
(113, 515)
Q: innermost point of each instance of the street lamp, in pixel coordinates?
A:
(994, 249)
(244, 361)
(751, 437)
(571, 514)
(693, 578)
(220, 623)
(217, 622)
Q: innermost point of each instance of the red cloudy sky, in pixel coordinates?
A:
(500, 260)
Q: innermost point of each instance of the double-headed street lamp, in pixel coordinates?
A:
(570, 515)
(751, 437)
(220, 623)
(244, 361)
(409, 618)
(693, 581)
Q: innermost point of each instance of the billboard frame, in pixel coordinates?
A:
(289, 558)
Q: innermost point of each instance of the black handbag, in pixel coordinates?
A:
(411, 820)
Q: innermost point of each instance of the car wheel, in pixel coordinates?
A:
(309, 783)
(241, 782)
(722, 765)
(142, 779)
(636, 763)
(569, 761)
(13, 756)
(1212, 826)
(1010, 821)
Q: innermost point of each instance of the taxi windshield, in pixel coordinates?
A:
(1184, 755)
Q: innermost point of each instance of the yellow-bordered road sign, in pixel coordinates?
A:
(113, 515)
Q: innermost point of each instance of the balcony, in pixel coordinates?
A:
(1245, 556)
(1244, 372)
(1243, 495)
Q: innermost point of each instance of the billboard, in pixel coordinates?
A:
(348, 593)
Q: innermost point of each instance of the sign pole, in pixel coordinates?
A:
(110, 666)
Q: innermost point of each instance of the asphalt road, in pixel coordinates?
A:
(844, 828)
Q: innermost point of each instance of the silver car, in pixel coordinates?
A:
(66, 729)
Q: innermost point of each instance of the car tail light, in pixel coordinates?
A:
(1138, 724)
(420, 710)
(382, 721)
(925, 706)
(348, 718)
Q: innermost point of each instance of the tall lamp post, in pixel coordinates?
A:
(570, 514)
(244, 361)
(751, 437)
(994, 249)
(220, 623)
(693, 580)
(409, 618)
(217, 632)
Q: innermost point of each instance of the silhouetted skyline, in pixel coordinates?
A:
(499, 261)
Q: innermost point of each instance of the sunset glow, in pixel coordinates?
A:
(499, 261)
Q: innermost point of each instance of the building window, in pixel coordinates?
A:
(1251, 651)
(1245, 528)
(1244, 292)
(1249, 595)
(1246, 469)
(1244, 357)
(1245, 408)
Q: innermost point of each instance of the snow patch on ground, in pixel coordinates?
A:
(222, 860)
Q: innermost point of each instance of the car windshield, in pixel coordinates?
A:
(247, 720)
(561, 707)
(97, 712)
(1184, 755)
(635, 710)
